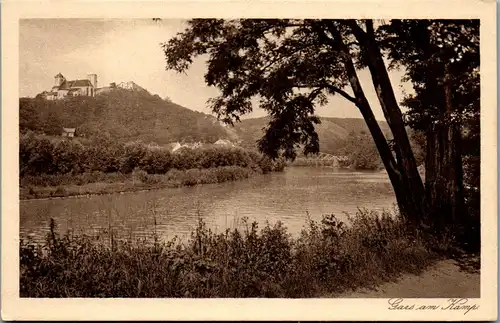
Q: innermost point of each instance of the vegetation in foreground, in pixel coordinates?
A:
(327, 258)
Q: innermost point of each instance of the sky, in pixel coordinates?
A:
(130, 50)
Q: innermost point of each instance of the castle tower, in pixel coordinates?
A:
(93, 80)
(59, 79)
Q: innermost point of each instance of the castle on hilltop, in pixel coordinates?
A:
(87, 87)
(63, 88)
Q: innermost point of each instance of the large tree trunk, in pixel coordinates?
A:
(444, 170)
(411, 181)
(443, 177)
(401, 190)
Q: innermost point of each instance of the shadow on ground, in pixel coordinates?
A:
(470, 263)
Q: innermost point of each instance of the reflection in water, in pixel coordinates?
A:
(287, 196)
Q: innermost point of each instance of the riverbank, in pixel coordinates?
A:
(98, 183)
(61, 167)
(328, 257)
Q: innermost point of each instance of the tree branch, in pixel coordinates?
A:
(315, 93)
(330, 87)
(358, 32)
(279, 58)
(335, 89)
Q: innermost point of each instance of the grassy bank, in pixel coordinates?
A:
(327, 258)
(58, 167)
(63, 185)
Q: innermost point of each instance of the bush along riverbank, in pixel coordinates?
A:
(47, 186)
(55, 167)
(327, 258)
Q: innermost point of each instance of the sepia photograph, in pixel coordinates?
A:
(253, 158)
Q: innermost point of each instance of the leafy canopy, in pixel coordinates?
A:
(289, 65)
(427, 48)
(292, 66)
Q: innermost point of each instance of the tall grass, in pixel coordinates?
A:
(329, 257)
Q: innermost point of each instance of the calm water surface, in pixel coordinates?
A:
(287, 196)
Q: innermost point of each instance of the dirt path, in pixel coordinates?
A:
(446, 279)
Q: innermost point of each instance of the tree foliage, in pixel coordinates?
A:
(441, 59)
(286, 64)
(426, 48)
(41, 155)
(293, 66)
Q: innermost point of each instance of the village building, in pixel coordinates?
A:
(176, 146)
(63, 88)
(224, 142)
(68, 132)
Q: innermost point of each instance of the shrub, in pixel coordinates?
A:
(105, 158)
(157, 161)
(185, 158)
(60, 191)
(140, 175)
(36, 155)
(134, 154)
(40, 155)
(70, 179)
(67, 156)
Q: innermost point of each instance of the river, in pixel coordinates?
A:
(290, 197)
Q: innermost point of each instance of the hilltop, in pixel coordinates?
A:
(135, 114)
(122, 114)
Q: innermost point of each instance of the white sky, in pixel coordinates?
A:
(129, 50)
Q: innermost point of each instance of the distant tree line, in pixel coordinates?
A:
(42, 155)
